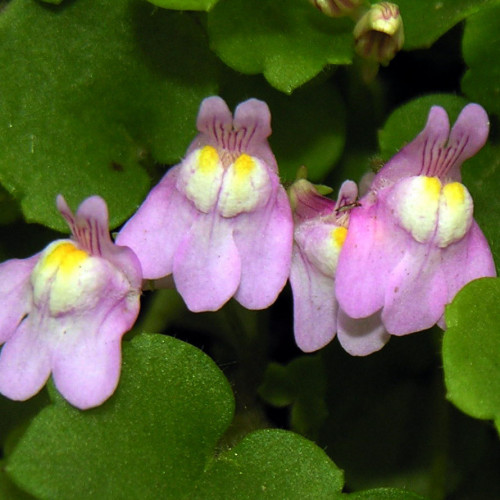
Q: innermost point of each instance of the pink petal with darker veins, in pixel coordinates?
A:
(419, 155)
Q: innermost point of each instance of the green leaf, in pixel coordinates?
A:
(90, 91)
(16, 413)
(384, 494)
(152, 439)
(426, 20)
(309, 129)
(185, 4)
(8, 490)
(9, 208)
(272, 464)
(301, 383)
(481, 52)
(157, 438)
(471, 350)
(289, 42)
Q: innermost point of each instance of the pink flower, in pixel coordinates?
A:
(321, 226)
(219, 221)
(65, 309)
(413, 244)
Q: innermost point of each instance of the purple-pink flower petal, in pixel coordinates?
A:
(253, 119)
(158, 227)
(25, 362)
(207, 266)
(86, 373)
(89, 225)
(264, 242)
(467, 137)
(362, 336)
(15, 294)
(314, 304)
(416, 292)
(371, 250)
(466, 260)
(215, 122)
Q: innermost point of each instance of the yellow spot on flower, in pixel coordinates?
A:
(68, 279)
(454, 194)
(432, 187)
(208, 160)
(246, 186)
(339, 235)
(417, 201)
(65, 257)
(455, 214)
(243, 167)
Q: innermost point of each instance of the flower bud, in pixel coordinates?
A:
(379, 33)
(336, 8)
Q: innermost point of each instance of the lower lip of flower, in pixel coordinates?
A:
(67, 278)
(430, 211)
(242, 185)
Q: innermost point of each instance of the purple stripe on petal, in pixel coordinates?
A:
(215, 122)
(254, 118)
(89, 225)
(467, 137)
(420, 156)
(437, 152)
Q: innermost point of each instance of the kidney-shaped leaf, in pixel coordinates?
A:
(185, 4)
(471, 350)
(289, 42)
(272, 464)
(152, 439)
(481, 50)
(426, 20)
(89, 89)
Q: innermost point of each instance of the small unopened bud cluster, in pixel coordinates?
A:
(379, 33)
